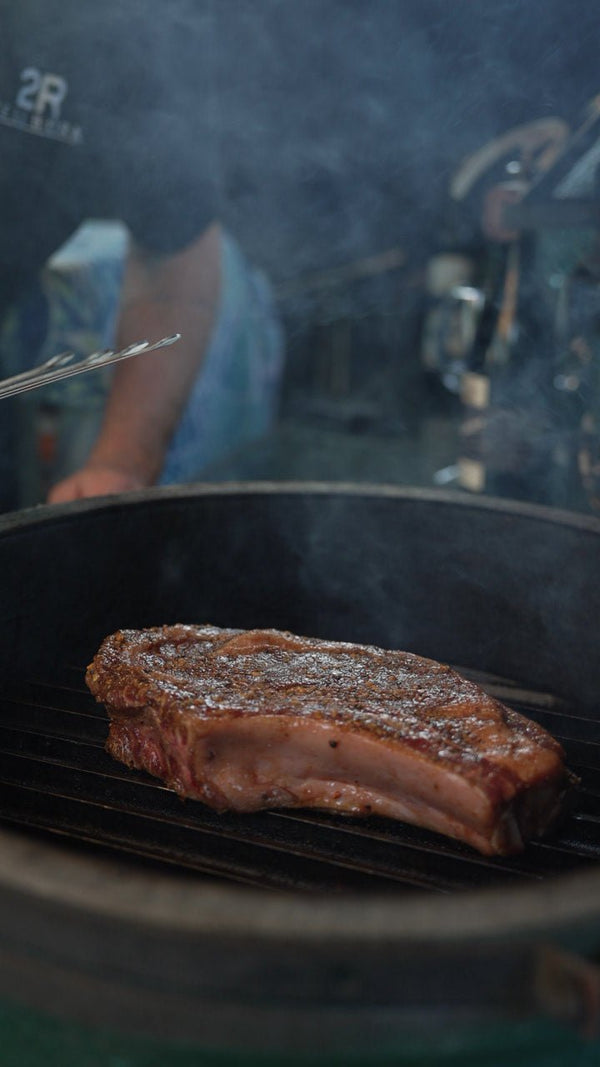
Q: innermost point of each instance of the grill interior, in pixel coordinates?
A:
(56, 777)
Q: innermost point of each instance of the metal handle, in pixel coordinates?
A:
(567, 988)
(63, 366)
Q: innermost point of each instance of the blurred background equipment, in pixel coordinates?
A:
(513, 317)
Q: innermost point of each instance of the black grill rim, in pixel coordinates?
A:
(28, 517)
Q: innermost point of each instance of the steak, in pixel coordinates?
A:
(249, 719)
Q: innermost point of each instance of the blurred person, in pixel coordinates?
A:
(105, 115)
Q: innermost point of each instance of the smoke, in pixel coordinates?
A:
(330, 128)
(341, 122)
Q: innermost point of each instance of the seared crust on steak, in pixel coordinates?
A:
(244, 720)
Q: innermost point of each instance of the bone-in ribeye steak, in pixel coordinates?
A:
(251, 719)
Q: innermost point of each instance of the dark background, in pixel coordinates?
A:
(339, 124)
(333, 128)
(340, 121)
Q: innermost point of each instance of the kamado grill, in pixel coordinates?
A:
(126, 909)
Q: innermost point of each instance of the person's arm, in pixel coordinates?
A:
(161, 296)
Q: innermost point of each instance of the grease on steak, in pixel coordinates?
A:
(244, 720)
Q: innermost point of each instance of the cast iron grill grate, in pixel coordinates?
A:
(56, 777)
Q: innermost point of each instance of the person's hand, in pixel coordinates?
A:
(93, 481)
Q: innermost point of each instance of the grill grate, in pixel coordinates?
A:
(56, 777)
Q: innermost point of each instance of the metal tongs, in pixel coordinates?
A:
(66, 364)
